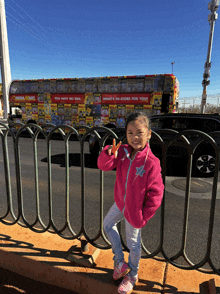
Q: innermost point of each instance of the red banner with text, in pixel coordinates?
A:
(68, 98)
(31, 98)
(130, 98)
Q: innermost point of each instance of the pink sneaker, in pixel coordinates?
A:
(121, 270)
(126, 286)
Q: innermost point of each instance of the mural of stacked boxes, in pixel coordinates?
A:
(91, 102)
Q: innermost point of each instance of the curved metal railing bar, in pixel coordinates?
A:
(21, 214)
(160, 142)
(182, 252)
(164, 146)
(65, 137)
(101, 144)
(4, 134)
(187, 144)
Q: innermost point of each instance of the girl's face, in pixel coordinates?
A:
(137, 134)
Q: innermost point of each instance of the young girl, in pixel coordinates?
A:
(138, 194)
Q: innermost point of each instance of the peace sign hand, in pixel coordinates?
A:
(114, 149)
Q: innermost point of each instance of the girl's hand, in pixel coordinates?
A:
(114, 149)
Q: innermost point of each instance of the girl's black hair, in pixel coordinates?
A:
(135, 115)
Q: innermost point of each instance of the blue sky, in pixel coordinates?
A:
(57, 39)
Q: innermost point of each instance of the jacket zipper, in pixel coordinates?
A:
(131, 160)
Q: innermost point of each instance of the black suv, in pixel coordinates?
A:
(167, 126)
(203, 164)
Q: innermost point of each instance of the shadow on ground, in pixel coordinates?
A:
(74, 160)
(12, 283)
(90, 161)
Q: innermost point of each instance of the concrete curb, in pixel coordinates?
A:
(43, 257)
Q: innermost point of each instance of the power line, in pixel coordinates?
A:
(199, 96)
(14, 10)
(33, 33)
(22, 26)
(193, 100)
(29, 16)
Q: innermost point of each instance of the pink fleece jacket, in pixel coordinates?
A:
(139, 186)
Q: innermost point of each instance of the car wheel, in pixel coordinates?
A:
(204, 165)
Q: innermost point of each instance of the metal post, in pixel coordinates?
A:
(194, 99)
(172, 66)
(4, 59)
(213, 7)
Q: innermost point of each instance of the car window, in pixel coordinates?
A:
(206, 125)
(161, 123)
(180, 124)
(211, 125)
(169, 123)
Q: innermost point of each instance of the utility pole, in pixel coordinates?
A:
(172, 66)
(193, 98)
(4, 59)
(184, 103)
(213, 7)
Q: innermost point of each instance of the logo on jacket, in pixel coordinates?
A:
(139, 172)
